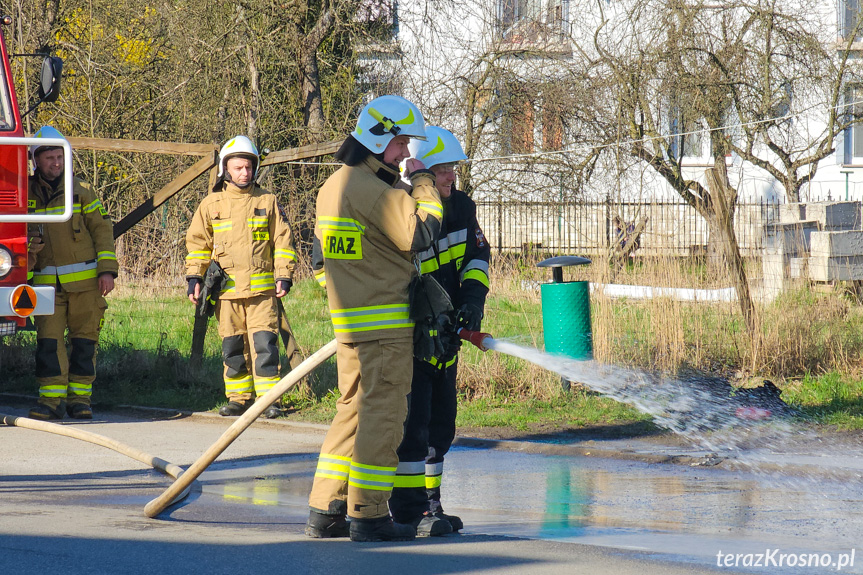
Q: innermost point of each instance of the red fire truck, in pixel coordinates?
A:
(18, 300)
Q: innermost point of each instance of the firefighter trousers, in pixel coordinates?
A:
(250, 347)
(358, 458)
(68, 376)
(429, 433)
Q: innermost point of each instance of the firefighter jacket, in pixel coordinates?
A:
(247, 234)
(365, 231)
(76, 251)
(459, 259)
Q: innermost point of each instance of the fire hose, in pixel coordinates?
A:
(157, 463)
(159, 504)
(183, 479)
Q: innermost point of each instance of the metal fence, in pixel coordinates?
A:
(671, 228)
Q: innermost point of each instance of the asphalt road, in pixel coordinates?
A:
(71, 507)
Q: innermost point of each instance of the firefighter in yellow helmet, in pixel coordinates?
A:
(365, 232)
(241, 227)
(78, 259)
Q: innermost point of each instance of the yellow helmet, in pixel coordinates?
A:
(386, 117)
(239, 146)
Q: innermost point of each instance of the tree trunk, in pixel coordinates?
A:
(313, 107)
(254, 95)
(720, 222)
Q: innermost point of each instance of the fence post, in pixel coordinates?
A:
(499, 224)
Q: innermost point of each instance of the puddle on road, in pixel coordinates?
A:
(689, 513)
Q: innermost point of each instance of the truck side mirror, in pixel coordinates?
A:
(52, 73)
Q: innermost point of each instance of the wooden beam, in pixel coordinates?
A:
(301, 153)
(200, 167)
(188, 149)
(143, 146)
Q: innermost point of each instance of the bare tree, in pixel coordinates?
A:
(504, 78)
(195, 72)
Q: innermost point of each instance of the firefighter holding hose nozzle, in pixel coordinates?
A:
(459, 262)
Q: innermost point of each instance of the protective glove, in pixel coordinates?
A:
(469, 317)
(427, 340)
(451, 346)
(192, 283)
(34, 241)
(285, 284)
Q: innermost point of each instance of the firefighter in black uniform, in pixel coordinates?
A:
(459, 262)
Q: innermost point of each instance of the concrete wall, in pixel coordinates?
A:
(820, 241)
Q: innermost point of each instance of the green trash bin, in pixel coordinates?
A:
(566, 312)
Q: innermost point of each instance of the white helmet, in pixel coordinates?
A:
(45, 132)
(440, 147)
(386, 117)
(239, 146)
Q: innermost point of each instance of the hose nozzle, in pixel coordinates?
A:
(475, 337)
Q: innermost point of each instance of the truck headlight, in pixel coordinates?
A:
(5, 262)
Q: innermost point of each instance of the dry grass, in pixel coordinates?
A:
(806, 332)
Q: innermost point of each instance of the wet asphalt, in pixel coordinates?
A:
(646, 505)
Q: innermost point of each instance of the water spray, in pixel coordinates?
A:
(691, 406)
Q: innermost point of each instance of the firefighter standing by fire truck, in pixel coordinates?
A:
(365, 231)
(78, 259)
(459, 262)
(241, 227)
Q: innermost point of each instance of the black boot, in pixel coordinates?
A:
(322, 526)
(453, 520)
(232, 408)
(272, 412)
(79, 411)
(44, 413)
(429, 525)
(380, 529)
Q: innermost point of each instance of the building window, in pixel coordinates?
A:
(552, 124)
(520, 20)
(523, 124)
(381, 16)
(852, 147)
(849, 17)
(688, 139)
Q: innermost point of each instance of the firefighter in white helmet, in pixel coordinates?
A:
(242, 228)
(459, 262)
(77, 258)
(365, 232)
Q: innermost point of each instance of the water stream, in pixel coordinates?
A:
(702, 409)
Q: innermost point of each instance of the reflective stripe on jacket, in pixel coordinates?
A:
(77, 251)
(246, 232)
(365, 231)
(460, 262)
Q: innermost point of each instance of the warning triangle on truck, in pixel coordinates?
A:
(23, 300)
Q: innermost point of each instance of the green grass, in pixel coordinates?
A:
(567, 410)
(833, 399)
(145, 346)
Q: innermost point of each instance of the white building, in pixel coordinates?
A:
(514, 64)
